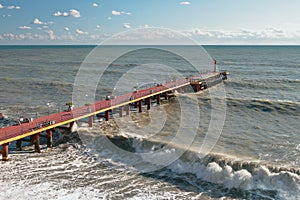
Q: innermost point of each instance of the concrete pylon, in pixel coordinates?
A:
(158, 99)
(107, 115)
(49, 138)
(148, 102)
(36, 141)
(127, 108)
(140, 105)
(91, 120)
(5, 152)
(121, 111)
(19, 145)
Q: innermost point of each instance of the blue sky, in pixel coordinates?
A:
(207, 21)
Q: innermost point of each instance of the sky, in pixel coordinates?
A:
(206, 21)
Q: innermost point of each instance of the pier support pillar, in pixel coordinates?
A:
(19, 145)
(91, 119)
(127, 109)
(71, 126)
(158, 99)
(121, 111)
(107, 115)
(140, 105)
(197, 87)
(5, 152)
(148, 102)
(36, 141)
(187, 88)
(166, 96)
(49, 138)
(215, 65)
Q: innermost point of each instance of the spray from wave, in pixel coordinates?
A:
(229, 173)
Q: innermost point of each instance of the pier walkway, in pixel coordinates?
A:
(122, 103)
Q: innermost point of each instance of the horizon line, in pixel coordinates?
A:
(149, 45)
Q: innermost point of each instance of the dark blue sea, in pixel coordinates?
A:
(256, 155)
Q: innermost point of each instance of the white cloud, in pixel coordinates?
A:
(114, 12)
(13, 7)
(109, 18)
(269, 35)
(243, 36)
(126, 13)
(74, 13)
(58, 14)
(51, 34)
(37, 21)
(9, 36)
(117, 13)
(46, 36)
(24, 27)
(184, 3)
(9, 15)
(67, 29)
(95, 5)
(98, 26)
(80, 32)
(1, 6)
(126, 25)
(21, 36)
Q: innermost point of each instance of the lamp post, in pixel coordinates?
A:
(86, 98)
(48, 105)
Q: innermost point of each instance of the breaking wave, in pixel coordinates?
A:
(226, 172)
(266, 105)
(261, 83)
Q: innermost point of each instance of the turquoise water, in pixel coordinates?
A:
(262, 124)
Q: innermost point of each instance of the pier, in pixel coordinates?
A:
(47, 124)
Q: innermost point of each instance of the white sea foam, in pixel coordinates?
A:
(47, 190)
(286, 183)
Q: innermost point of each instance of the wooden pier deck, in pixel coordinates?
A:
(49, 123)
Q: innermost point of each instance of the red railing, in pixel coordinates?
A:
(39, 123)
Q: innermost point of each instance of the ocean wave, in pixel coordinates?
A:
(38, 82)
(229, 172)
(261, 84)
(142, 145)
(285, 183)
(234, 173)
(266, 105)
(281, 106)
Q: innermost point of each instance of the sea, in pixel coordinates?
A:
(250, 122)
